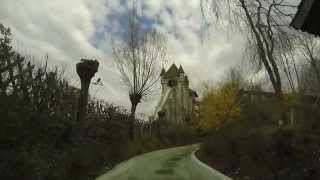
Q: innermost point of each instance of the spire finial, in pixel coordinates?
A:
(163, 71)
(181, 69)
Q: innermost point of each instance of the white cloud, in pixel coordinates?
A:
(74, 29)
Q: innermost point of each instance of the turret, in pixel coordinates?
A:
(180, 71)
(163, 72)
(181, 74)
(163, 79)
(186, 81)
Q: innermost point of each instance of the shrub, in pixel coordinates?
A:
(219, 107)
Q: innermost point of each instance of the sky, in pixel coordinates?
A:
(68, 30)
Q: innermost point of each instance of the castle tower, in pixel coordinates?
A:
(177, 99)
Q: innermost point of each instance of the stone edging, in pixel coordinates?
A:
(205, 166)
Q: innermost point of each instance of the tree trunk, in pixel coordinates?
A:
(132, 119)
(271, 66)
(83, 101)
(316, 70)
(85, 70)
(266, 56)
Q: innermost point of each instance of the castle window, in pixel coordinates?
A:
(172, 83)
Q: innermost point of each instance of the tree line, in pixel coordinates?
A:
(250, 132)
(50, 129)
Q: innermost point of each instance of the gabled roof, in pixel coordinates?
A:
(172, 72)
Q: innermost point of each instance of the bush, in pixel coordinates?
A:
(219, 107)
(39, 135)
(263, 151)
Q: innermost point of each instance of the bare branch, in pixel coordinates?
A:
(139, 57)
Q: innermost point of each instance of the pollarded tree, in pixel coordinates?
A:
(138, 60)
(86, 69)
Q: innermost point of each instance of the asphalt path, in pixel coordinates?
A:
(177, 163)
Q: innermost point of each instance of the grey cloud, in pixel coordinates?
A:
(70, 30)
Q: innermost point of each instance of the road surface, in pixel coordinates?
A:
(169, 164)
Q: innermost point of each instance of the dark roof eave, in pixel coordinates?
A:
(172, 71)
(306, 18)
(302, 13)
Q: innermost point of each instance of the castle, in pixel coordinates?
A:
(178, 103)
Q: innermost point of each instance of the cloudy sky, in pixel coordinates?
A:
(68, 30)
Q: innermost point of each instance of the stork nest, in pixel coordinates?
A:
(87, 68)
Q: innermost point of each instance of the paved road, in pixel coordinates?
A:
(169, 164)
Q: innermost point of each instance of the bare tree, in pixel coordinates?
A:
(269, 39)
(138, 60)
(310, 49)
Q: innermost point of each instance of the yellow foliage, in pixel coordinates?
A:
(219, 106)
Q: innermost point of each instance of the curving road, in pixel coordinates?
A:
(169, 164)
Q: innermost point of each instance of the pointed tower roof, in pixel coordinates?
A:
(193, 93)
(163, 72)
(181, 69)
(173, 71)
(186, 79)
